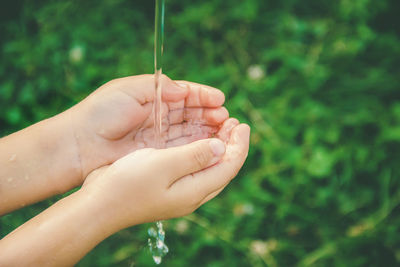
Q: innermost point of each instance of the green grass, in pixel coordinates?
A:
(318, 81)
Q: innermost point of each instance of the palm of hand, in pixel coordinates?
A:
(118, 118)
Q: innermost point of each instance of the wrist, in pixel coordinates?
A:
(101, 219)
(103, 207)
(61, 131)
(72, 137)
(38, 162)
(87, 144)
(60, 235)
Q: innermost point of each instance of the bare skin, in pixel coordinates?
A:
(55, 155)
(106, 149)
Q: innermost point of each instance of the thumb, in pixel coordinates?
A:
(183, 160)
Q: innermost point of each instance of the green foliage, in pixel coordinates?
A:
(318, 81)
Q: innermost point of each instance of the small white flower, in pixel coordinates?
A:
(182, 226)
(243, 209)
(263, 248)
(255, 72)
(76, 54)
(259, 247)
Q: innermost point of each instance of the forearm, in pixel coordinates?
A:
(60, 236)
(38, 162)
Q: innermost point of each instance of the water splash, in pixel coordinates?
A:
(156, 242)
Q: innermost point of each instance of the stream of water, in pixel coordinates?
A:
(156, 243)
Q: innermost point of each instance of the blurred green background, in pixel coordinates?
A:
(317, 80)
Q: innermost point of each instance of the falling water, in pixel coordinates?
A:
(156, 243)
(156, 239)
(158, 53)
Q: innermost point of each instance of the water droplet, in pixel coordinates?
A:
(13, 157)
(159, 225)
(156, 243)
(152, 232)
(165, 249)
(10, 179)
(157, 259)
(26, 177)
(160, 244)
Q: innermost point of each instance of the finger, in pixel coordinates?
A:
(172, 91)
(185, 133)
(189, 129)
(194, 132)
(225, 132)
(187, 139)
(142, 88)
(202, 95)
(184, 160)
(176, 105)
(203, 183)
(203, 133)
(208, 116)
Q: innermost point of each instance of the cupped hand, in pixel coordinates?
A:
(150, 184)
(117, 118)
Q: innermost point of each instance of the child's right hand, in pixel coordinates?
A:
(149, 184)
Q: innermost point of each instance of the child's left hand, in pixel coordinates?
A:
(116, 119)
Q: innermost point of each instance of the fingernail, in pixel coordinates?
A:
(217, 147)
